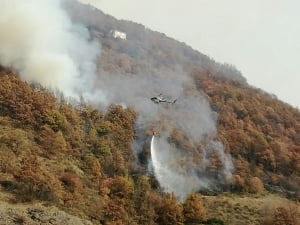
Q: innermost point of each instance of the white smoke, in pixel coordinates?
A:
(172, 178)
(39, 41)
(175, 168)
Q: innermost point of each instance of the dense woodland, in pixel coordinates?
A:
(81, 159)
(257, 129)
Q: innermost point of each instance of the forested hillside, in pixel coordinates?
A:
(82, 158)
(257, 129)
(261, 132)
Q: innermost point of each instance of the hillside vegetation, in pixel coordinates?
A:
(258, 130)
(80, 159)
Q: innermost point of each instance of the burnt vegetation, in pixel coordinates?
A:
(81, 158)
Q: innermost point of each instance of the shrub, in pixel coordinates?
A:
(72, 182)
(286, 215)
(193, 210)
(256, 185)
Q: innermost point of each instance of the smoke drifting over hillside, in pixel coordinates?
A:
(181, 170)
(39, 41)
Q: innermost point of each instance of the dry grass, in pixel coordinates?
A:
(243, 209)
(34, 213)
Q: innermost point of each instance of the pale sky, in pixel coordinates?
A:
(261, 38)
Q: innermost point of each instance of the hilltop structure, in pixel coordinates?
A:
(118, 34)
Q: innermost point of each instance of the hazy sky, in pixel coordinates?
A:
(260, 37)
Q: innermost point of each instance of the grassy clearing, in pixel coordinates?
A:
(243, 209)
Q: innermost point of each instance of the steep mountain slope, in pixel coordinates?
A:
(144, 50)
(93, 162)
(258, 130)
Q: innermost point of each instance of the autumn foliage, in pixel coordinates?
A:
(81, 158)
(259, 131)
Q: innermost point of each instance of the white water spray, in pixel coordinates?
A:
(40, 41)
(172, 178)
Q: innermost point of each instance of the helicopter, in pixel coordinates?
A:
(160, 99)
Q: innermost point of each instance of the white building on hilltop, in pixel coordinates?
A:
(118, 34)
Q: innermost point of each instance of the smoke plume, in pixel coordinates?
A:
(40, 42)
(185, 167)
